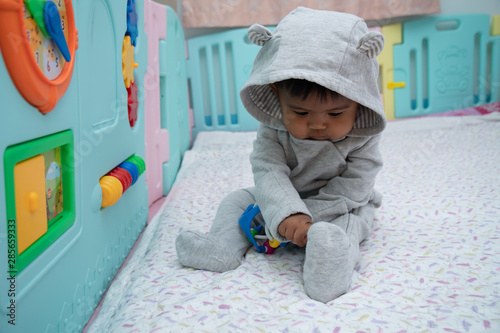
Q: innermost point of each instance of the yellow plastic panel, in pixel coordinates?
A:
(495, 25)
(31, 211)
(392, 35)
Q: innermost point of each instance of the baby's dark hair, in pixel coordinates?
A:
(304, 88)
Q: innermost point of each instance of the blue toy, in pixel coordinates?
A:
(52, 21)
(252, 234)
(132, 29)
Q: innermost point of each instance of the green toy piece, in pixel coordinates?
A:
(35, 7)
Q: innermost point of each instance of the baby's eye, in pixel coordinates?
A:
(334, 114)
(300, 113)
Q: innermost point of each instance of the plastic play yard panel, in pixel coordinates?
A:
(445, 63)
(218, 66)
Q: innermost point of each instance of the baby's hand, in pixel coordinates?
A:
(295, 228)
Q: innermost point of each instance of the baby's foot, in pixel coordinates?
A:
(199, 251)
(329, 262)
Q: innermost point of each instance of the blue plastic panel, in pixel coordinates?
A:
(59, 290)
(173, 99)
(218, 66)
(446, 63)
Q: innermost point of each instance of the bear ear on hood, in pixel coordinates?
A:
(371, 44)
(259, 35)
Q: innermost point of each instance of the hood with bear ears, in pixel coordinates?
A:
(334, 50)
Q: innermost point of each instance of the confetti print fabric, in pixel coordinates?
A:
(431, 265)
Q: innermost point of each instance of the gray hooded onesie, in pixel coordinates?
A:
(331, 181)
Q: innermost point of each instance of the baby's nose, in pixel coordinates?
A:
(318, 122)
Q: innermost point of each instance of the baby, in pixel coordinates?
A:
(313, 88)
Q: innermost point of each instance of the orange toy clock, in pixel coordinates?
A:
(38, 40)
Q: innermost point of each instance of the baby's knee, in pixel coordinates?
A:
(241, 198)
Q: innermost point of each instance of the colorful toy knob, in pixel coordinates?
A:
(139, 162)
(274, 243)
(123, 176)
(52, 21)
(111, 190)
(269, 248)
(128, 63)
(132, 169)
(132, 104)
(132, 30)
(33, 202)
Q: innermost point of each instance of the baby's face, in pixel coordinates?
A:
(317, 119)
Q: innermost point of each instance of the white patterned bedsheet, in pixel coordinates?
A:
(431, 265)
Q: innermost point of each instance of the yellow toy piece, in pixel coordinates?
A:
(274, 243)
(31, 209)
(392, 35)
(112, 190)
(128, 63)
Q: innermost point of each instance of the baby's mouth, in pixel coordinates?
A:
(318, 137)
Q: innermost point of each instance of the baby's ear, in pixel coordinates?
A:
(371, 44)
(259, 35)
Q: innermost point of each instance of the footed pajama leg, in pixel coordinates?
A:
(332, 252)
(224, 247)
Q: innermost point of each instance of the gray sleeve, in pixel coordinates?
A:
(353, 188)
(274, 192)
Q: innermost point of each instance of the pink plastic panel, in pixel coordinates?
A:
(157, 139)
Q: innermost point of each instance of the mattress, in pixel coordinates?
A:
(431, 264)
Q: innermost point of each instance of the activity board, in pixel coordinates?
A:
(166, 102)
(440, 63)
(72, 187)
